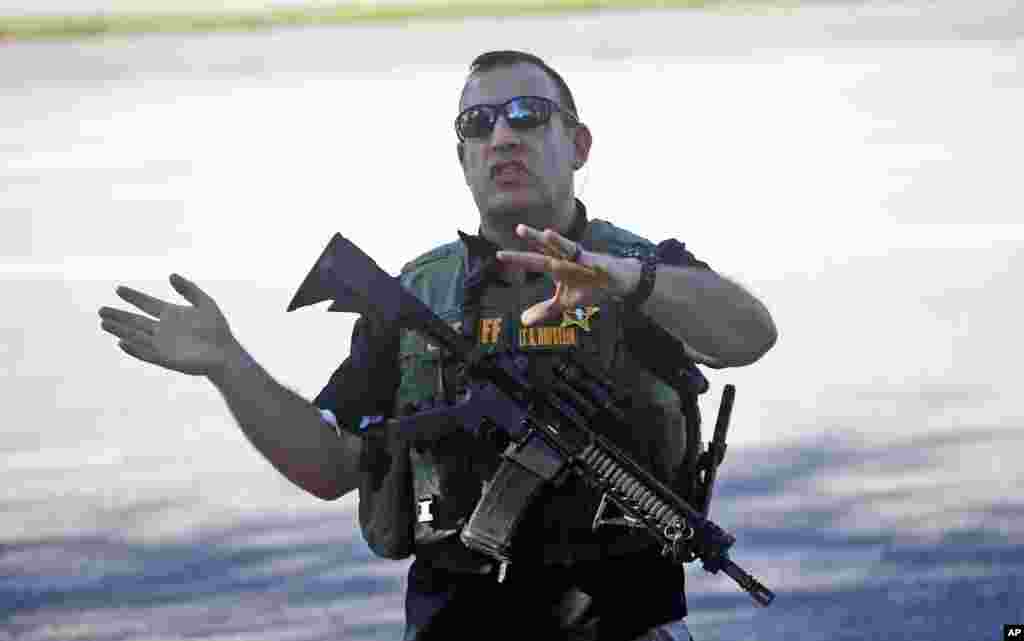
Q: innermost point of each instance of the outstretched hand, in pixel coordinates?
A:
(588, 281)
(193, 339)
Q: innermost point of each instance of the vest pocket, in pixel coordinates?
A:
(420, 367)
(389, 471)
(430, 491)
(386, 495)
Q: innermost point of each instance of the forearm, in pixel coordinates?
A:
(721, 323)
(288, 430)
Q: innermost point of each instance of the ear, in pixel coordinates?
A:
(582, 140)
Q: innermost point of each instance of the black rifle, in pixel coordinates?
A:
(547, 428)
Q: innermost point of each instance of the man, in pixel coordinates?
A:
(539, 278)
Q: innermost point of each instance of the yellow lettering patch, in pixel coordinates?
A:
(490, 330)
(547, 336)
(544, 336)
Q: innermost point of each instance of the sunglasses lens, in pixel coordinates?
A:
(476, 122)
(527, 113)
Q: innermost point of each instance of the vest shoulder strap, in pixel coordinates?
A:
(424, 260)
(604, 237)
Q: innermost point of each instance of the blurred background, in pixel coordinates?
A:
(855, 164)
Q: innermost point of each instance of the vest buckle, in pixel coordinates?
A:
(424, 510)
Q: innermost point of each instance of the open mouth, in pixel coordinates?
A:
(509, 172)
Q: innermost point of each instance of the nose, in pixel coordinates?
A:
(504, 138)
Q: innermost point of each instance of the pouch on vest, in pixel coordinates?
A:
(385, 494)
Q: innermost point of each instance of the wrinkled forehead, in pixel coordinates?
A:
(507, 81)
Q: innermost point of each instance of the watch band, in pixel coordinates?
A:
(648, 270)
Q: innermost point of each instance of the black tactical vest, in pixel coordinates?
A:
(417, 503)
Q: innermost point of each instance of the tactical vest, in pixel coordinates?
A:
(440, 485)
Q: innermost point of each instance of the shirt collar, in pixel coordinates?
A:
(481, 251)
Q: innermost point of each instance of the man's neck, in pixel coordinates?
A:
(505, 236)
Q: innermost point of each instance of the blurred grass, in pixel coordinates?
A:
(122, 23)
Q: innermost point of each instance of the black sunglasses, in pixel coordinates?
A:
(521, 112)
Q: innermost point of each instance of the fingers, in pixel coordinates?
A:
(137, 322)
(152, 306)
(554, 244)
(542, 247)
(140, 351)
(548, 310)
(575, 274)
(189, 290)
(540, 313)
(133, 341)
(125, 332)
(528, 260)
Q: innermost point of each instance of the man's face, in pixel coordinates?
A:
(519, 175)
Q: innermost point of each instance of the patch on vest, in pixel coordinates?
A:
(580, 317)
(561, 336)
(489, 331)
(537, 337)
(547, 337)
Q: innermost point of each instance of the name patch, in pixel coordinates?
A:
(563, 335)
(547, 336)
(540, 336)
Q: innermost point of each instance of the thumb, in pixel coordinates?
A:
(189, 290)
(541, 312)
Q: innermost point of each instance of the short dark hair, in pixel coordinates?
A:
(492, 59)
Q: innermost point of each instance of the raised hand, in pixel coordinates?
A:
(193, 339)
(590, 280)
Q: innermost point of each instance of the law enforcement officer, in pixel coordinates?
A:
(539, 277)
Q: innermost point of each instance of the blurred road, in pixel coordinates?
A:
(74, 7)
(855, 165)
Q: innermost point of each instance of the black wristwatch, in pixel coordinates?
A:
(648, 267)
